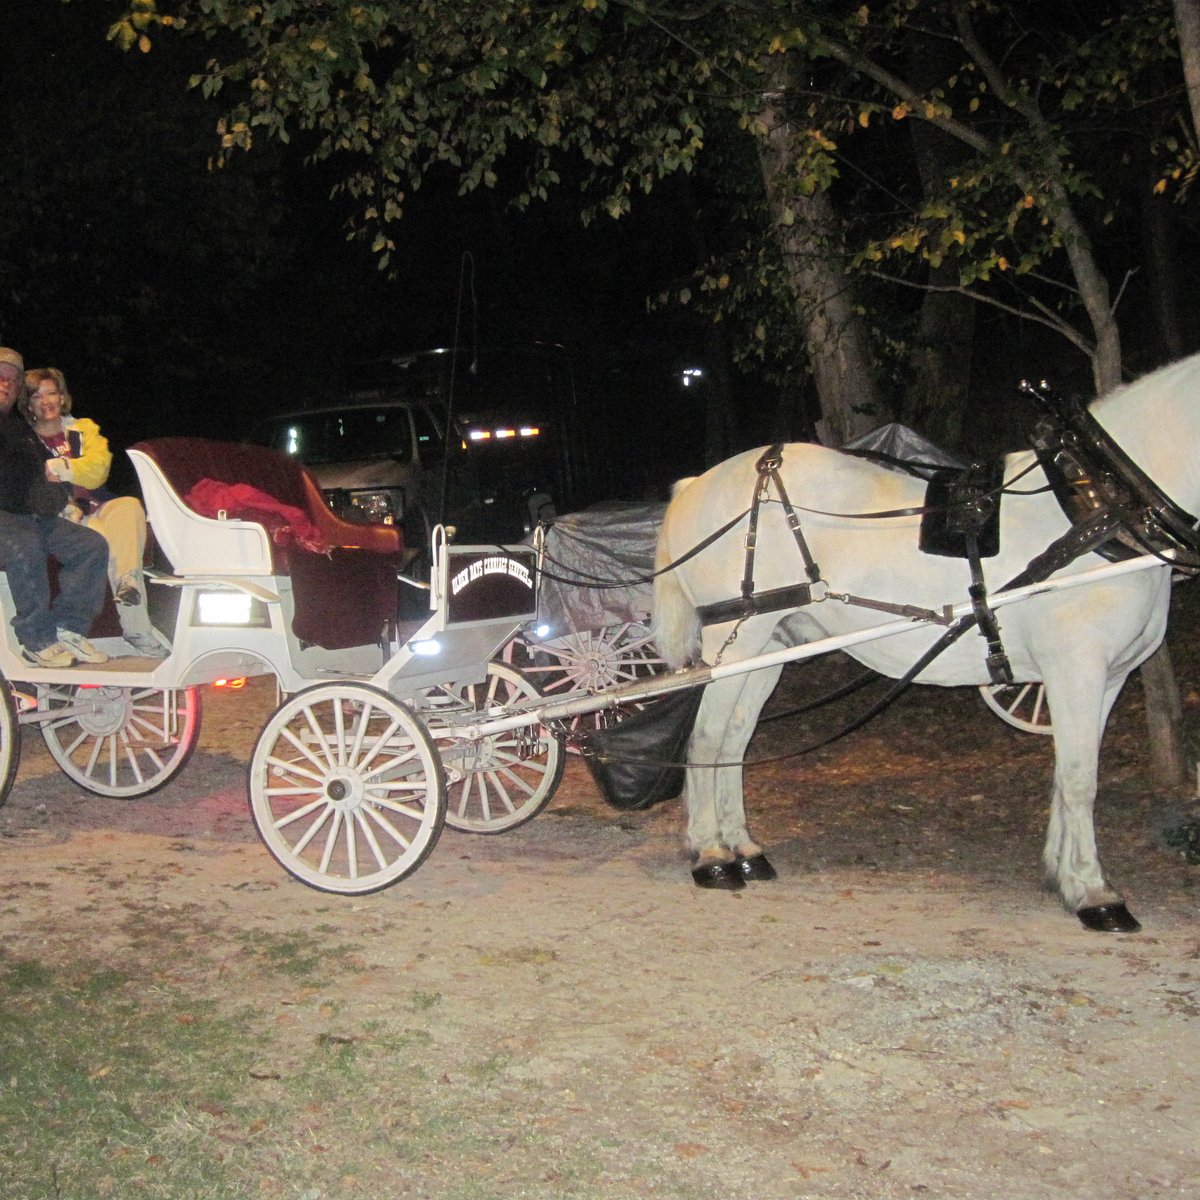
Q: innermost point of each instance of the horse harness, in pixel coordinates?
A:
(1115, 509)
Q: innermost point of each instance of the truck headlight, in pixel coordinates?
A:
(376, 507)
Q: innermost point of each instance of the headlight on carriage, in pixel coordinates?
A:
(230, 608)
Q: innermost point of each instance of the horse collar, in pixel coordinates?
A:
(1090, 475)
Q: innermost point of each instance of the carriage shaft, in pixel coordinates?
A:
(658, 685)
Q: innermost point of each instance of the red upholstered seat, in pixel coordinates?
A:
(343, 598)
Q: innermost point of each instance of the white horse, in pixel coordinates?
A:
(1081, 643)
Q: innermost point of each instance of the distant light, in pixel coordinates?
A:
(479, 435)
(690, 373)
(426, 648)
(506, 433)
(233, 684)
(530, 431)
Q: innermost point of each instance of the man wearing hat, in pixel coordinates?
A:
(31, 532)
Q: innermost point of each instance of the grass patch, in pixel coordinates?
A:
(107, 1089)
(132, 1087)
(297, 956)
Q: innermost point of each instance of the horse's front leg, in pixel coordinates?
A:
(1071, 858)
(724, 853)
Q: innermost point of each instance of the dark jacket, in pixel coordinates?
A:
(23, 484)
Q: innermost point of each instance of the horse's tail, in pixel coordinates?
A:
(676, 624)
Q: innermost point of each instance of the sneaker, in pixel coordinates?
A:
(80, 647)
(53, 655)
(147, 645)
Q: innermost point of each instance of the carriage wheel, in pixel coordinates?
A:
(1022, 705)
(592, 661)
(117, 741)
(10, 739)
(502, 780)
(346, 788)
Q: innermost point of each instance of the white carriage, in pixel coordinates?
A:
(348, 788)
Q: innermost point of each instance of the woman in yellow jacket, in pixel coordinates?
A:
(77, 453)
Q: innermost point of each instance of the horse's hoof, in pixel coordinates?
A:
(724, 876)
(756, 867)
(1109, 918)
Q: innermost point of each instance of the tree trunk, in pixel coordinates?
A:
(1164, 718)
(940, 359)
(1187, 29)
(839, 351)
(1161, 254)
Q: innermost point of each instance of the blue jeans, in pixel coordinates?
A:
(25, 545)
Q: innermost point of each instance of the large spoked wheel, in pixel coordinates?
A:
(346, 788)
(1022, 705)
(10, 740)
(501, 780)
(117, 741)
(592, 661)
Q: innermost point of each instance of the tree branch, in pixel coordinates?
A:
(1048, 318)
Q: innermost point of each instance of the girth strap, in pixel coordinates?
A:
(999, 669)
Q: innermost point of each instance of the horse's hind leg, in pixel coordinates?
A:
(717, 834)
(1071, 857)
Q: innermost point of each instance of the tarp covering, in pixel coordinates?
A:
(899, 441)
(608, 543)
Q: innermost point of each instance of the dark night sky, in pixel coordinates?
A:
(183, 300)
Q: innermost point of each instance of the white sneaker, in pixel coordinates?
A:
(81, 648)
(147, 645)
(53, 655)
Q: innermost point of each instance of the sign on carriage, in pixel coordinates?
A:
(492, 584)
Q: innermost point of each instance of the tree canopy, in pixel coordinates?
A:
(850, 162)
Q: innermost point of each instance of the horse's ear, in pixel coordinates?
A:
(680, 484)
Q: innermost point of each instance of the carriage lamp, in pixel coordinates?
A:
(229, 607)
(426, 647)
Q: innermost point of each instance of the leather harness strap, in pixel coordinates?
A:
(750, 602)
(1117, 503)
(999, 669)
(768, 473)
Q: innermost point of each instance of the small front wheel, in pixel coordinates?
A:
(498, 781)
(346, 788)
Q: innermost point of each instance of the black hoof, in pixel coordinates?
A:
(722, 876)
(756, 868)
(1109, 918)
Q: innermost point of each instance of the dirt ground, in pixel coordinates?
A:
(904, 1012)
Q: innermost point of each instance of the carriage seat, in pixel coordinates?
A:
(343, 597)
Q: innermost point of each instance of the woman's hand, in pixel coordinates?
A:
(57, 470)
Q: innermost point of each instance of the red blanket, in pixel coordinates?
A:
(286, 524)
